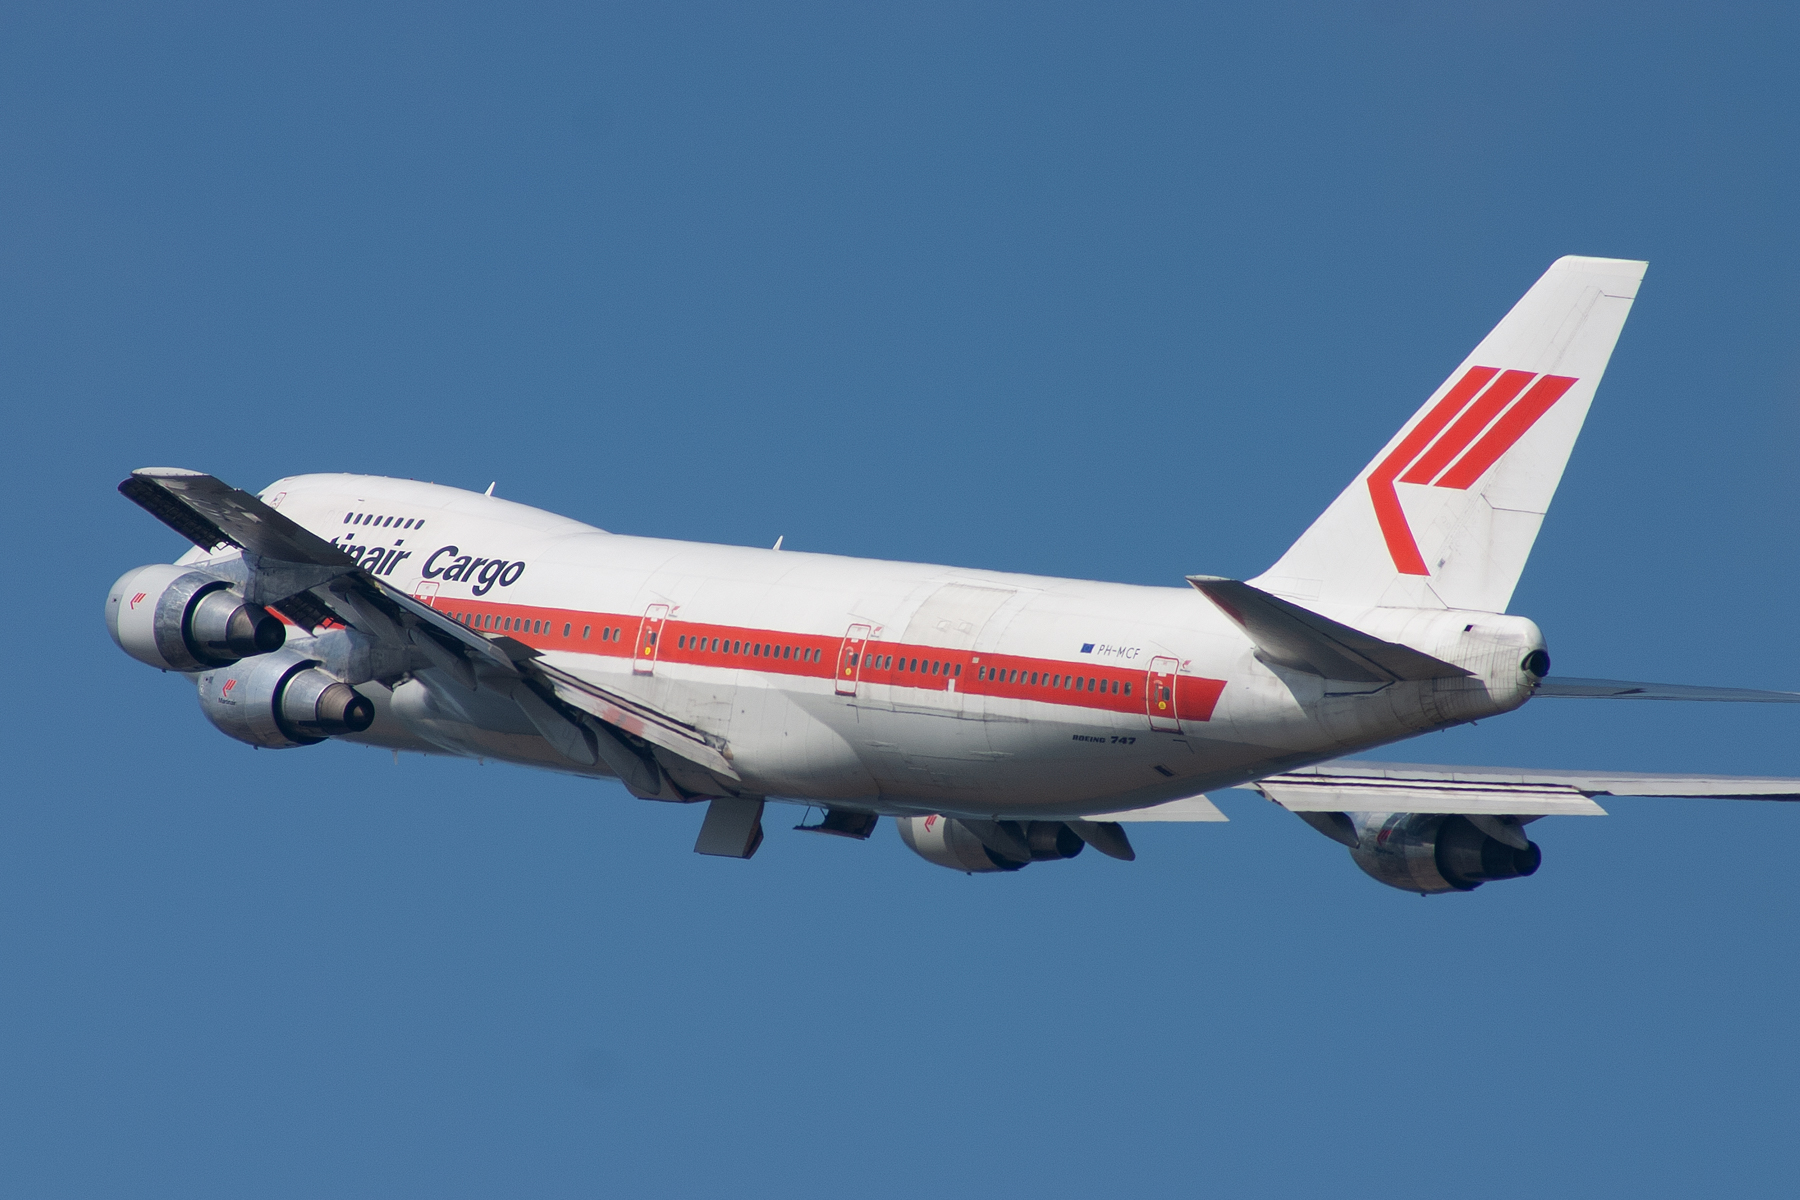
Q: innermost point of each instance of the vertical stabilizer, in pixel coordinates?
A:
(1446, 514)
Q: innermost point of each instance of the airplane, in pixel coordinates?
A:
(1000, 719)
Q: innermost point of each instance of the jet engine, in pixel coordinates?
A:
(1435, 852)
(980, 846)
(181, 620)
(281, 700)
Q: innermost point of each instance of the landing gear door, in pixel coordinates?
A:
(850, 657)
(1159, 694)
(649, 634)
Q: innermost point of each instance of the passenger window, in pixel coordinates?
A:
(566, 628)
(585, 630)
(1128, 689)
(959, 670)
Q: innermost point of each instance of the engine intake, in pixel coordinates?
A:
(282, 700)
(175, 619)
(1435, 852)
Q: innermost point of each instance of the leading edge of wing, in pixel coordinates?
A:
(1362, 786)
(1568, 688)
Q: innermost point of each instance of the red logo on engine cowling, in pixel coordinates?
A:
(138, 599)
(1486, 402)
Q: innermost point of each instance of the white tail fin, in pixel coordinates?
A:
(1446, 514)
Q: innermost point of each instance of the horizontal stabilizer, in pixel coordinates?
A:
(1298, 638)
(1620, 689)
(1357, 786)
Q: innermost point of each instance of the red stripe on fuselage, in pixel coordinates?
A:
(809, 656)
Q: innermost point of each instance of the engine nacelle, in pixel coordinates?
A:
(282, 700)
(982, 846)
(176, 619)
(1435, 852)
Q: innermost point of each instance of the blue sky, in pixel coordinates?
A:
(1117, 291)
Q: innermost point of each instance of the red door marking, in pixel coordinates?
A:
(850, 659)
(649, 634)
(1197, 696)
(1159, 694)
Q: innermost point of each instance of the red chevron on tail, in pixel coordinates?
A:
(1485, 402)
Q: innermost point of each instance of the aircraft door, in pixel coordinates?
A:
(850, 656)
(1159, 694)
(649, 634)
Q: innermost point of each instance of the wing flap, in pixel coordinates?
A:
(1296, 637)
(640, 720)
(1327, 794)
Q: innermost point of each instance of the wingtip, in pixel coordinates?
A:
(168, 473)
(1632, 268)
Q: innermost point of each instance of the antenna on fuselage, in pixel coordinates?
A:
(777, 544)
(490, 490)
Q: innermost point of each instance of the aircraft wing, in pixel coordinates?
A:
(1189, 808)
(1358, 786)
(292, 570)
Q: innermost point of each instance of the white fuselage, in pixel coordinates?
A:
(896, 687)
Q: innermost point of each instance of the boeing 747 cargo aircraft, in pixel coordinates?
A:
(999, 719)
